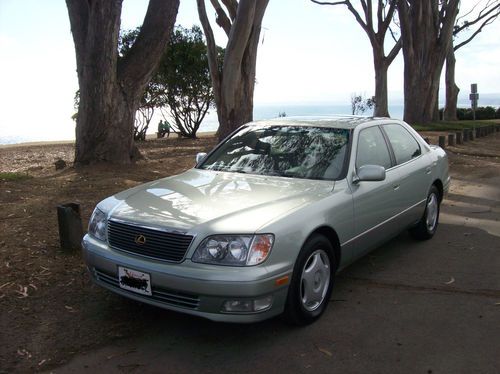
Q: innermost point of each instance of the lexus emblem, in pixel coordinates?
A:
(140, 239)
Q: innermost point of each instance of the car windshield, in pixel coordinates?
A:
(289, 151)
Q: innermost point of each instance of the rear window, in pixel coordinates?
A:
(404, 145)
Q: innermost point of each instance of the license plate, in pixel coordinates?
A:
(135, 281)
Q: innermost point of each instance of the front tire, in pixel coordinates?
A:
(312, 281)
(427, 226)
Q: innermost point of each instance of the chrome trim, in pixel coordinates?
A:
(383, 223)
(150, 227)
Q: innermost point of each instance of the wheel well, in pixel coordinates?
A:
(333, 238)
(439, 186)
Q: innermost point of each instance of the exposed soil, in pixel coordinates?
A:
(50, 311)
(49, 308)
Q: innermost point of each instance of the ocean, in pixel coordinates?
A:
(210, 123)
(260, 112)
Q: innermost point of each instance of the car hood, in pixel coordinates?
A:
(219, 201)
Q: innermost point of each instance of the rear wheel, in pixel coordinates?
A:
(427, 225)
(312, 281)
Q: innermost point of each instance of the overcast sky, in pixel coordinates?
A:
(307, 54)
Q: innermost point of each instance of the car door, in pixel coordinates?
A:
(374, 203)
(414, 169)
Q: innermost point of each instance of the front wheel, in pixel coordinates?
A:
(312, 281)
(427, 225)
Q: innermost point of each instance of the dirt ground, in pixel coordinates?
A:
(50, 311)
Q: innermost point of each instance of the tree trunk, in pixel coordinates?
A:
(381, 104)
(237, 112)
(421, 85)
(426, 33)
(105, 124)
(234, 84)
(110, 92)
(452, 90)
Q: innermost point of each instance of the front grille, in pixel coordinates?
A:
(158, 244)
(161, 295)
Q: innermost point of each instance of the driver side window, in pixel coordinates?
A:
(372, 149)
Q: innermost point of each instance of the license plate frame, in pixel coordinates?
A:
(135, 281)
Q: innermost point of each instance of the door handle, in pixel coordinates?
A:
(428, 170)
(395, 187)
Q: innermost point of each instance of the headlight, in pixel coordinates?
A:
(235, 250)
(97, 225)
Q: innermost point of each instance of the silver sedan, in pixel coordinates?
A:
(263, 223)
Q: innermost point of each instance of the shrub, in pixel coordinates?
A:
(482, 112)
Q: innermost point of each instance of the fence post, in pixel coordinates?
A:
(70, 226)
(451, 140)
(458, 136)
(471, 134)
(442, 141)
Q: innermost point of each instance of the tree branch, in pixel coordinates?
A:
(404, 20)
(485, 23)
(136, 69)
(240, 32)
(211, 49)
(446, 30)
(232, 8)
(388, 17)
(222, 18)
(394, 51)
(479, 18)
(367, 9)
(364, 25)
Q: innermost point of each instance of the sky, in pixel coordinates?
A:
(307, 54)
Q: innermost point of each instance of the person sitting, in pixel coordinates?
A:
(163, 128)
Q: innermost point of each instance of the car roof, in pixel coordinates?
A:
(343, 122)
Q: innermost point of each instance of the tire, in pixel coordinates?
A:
(427, 226)
(312, 281)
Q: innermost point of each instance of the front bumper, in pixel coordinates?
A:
(187, 287)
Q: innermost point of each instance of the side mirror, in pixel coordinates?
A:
(200, 156)
(370, 173)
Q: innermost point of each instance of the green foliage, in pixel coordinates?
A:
(181, 88)
(487, 112)
(126, 40)
(482, 113)
(359, 104)
(185, 76)
(453, 125)
(9, 176)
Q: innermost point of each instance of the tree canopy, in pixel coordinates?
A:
(181, 88)
(185, 76)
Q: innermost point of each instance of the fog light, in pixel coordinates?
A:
(247, 306)
(238, 306)
(262, 304)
